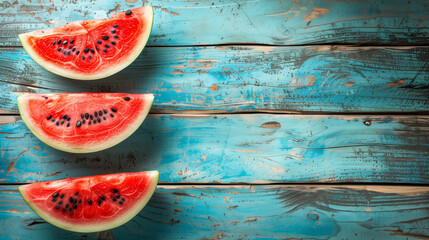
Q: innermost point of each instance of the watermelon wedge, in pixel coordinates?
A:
(91, 49)
(91, 204)
(83, 122)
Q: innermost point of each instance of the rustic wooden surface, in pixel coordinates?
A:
(250, 212)
(214, 149)
(215, 65)
(248, 78)
(279, 22)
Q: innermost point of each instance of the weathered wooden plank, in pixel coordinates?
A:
(214, 22)
(238, 148)
(248, 78)
(249, 212)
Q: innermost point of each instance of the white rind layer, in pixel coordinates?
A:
(89, 148)
(88, 228)
(147, 18)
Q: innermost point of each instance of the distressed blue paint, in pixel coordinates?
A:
(238, 148)
(247, 212)
(250, 78)
(262, 21)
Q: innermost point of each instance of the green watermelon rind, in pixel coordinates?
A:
(102, 74)
(100, 227)
(90, 149)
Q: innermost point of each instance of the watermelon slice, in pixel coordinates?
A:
(83, 122)
(91, 49)
(91, 204)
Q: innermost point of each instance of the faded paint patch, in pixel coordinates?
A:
(265, 49)
(177, 72)
(170, 12)
(349, 84)
(315, 13)
(117, 7)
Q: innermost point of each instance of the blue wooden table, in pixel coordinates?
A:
(272, 119)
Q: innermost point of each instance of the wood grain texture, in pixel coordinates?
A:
(215, 22)
(248, 78)
(237, 148)
(249, 212)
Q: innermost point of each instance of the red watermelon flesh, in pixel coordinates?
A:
(91, 49)
(83, 122)
(91, 204)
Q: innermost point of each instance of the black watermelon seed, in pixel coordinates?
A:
(115, 190)
(77, 52)
(114, 110)
(67, 205)
(104, 118)
(115, 26)
(72, 41)
(53, 43)
(113, 199)
(60, 202)
(105, 50)
(68, 53)
(96, 114)
(123, 199)
(91, 117)
(65, 42)
(128, 12)
(70, 209)
(57, 207)
(70, 47)
(111, 115)
(81, 115)
(120, 202)
(65, 52)
(114, 31)
(71, 199)
(54, 199)
(53, 120)
(90, 56)
(80, 201)
(58, 123)
(117, 195)
(65, 117)
(64, 210)
(75, 206)
(89, 122)
(99, 41)
(113, 43)
(62, 122)
(62, 196)
(83, 57)
(77, 193)
(95, 121)
(83, 121)
(115, 37)
(68, 118)
(105, 37)
(86, 115)
(106, 46)
(127, 98)
(78, 124)
(97, 49)
(68, 124)
(55, 195)
(59, 41)
(73, 49)
(98, 120)
(92, 51)
(86, 50)
(100, 112)
(59, 49)
(99, 202)
(46, 97)
(102, 197)
(89, 202)
(49, 117)
(104, 110)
